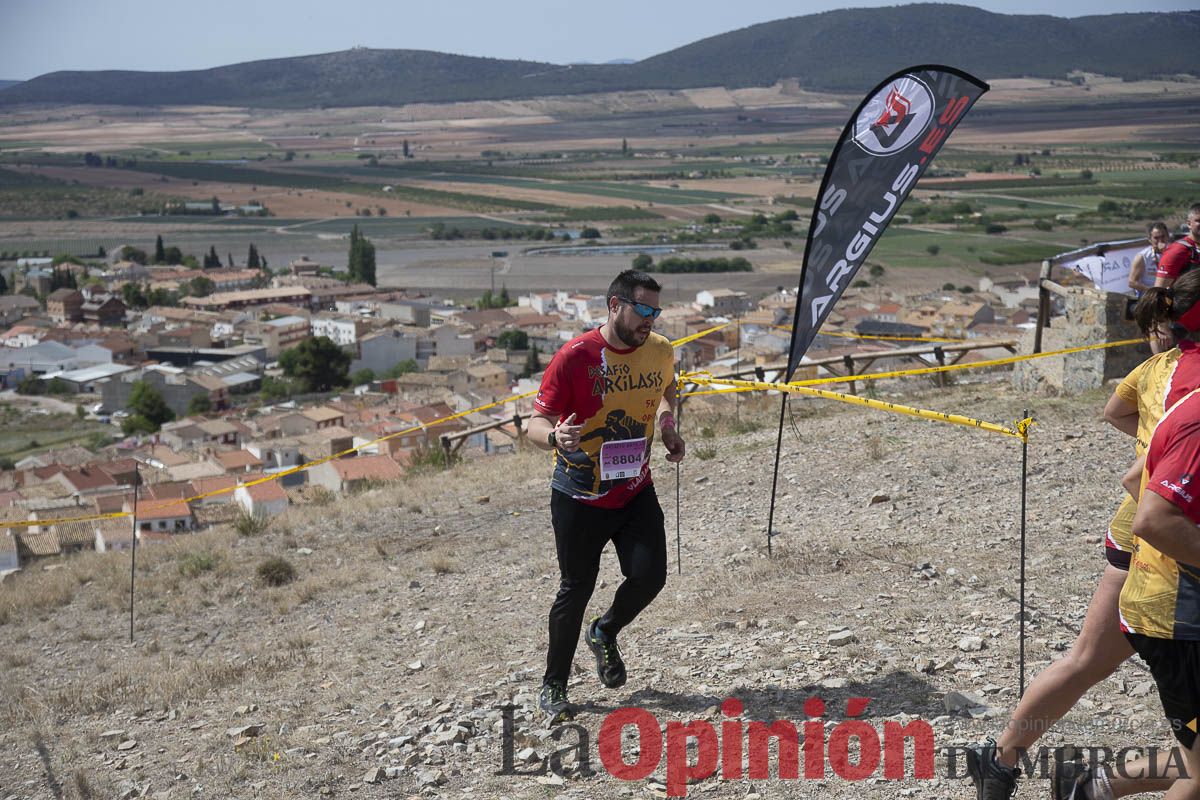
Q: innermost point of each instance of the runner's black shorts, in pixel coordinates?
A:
(1175, 665)
(1118, 558)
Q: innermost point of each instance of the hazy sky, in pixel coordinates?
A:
(40, 36)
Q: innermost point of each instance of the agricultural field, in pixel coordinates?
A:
(1022, 179)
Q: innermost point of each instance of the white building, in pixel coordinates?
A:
(591, 310)
(1012, 291)
(262, 500)
(724, 302)
(541, 302)
(343, 331)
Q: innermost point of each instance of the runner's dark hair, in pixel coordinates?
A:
(624, 284)
(1160, 305)
(1158, 226)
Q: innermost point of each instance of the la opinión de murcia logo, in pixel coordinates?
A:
(633, 744)
(735, 749)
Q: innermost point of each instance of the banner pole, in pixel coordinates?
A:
(133, 549)
(775, 473)
(1024, 493)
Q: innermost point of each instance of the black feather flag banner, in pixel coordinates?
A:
(886, 146)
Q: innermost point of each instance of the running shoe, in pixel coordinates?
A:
(993, 780)
(609, 666)
(1074, 780)
(553, 701)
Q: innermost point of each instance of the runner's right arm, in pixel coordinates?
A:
(1135, 272)
(1133, 477)
(566, 432)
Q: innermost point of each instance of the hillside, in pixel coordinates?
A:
(420, 608)
(845, 50)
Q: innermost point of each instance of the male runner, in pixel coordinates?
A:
(596, 409)
(1182, 254)
(1143, 272)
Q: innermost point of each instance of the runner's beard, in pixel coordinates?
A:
(633, 336)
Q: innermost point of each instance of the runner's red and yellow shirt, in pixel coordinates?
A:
(1161, 596)
(614, 395)
(1153, 386)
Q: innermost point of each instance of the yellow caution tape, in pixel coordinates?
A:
(274, 476)
(699, 335)
(906, 373)
(1018, 432)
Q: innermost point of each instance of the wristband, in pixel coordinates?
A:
(666, 421)
(552, 440)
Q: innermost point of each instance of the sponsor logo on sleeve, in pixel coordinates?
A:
(1176, 488)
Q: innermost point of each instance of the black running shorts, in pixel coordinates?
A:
(1175, 665)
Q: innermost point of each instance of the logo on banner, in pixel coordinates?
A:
(894, 117)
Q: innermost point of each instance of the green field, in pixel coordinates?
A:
(228, 173)
(25, 433)
(902, 247)
(405, 227)
(645, 194)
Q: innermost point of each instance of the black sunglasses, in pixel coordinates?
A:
(641, 309)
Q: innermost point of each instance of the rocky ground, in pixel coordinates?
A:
(418, 611)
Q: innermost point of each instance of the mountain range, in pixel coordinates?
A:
(844, 50)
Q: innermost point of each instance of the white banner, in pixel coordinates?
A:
(1110, 271)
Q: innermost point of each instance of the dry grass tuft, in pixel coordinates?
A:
(248, 524)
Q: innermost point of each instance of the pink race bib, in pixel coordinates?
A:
(623, 459)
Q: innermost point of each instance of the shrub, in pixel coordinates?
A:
(322, 496)
(194, 564)
(429, 458)
(277, 572)
(741, 426)
(247, 524)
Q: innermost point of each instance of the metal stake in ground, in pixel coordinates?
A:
(1024, 484)
(678, 480)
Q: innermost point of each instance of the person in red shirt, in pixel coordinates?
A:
(1160, 602)
(599, 402)
(1182, 254)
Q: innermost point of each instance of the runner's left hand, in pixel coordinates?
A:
(674, 444)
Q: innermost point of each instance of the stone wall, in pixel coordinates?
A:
(1091, 317)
